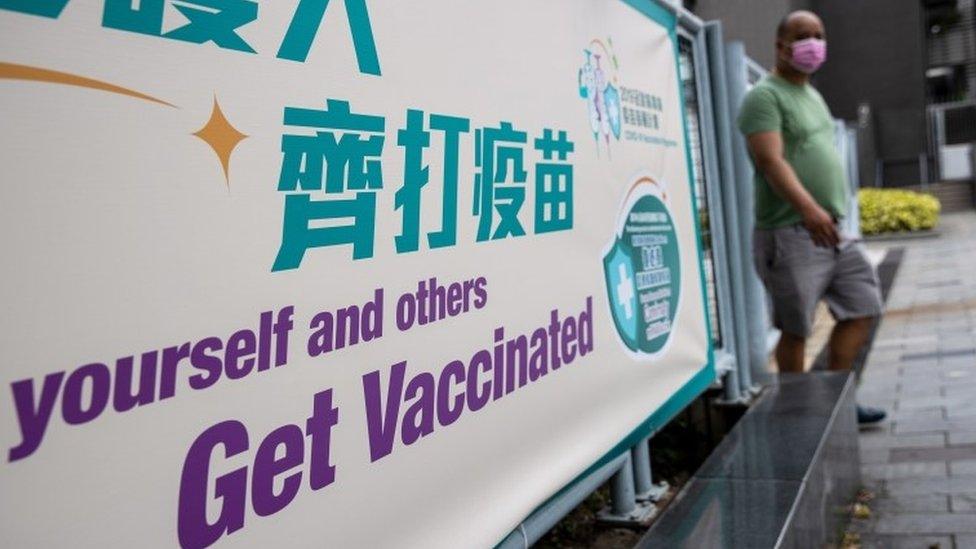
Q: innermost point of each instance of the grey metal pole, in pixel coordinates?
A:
(727, 359)
(854, 178)
(627, 508)
(972, 162)
(757, 321)
(644, 485)
(641, 458)
(923, 168)
(623, 500)
(731, 386)
(734, 382)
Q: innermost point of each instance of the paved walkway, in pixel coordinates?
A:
(921, 462)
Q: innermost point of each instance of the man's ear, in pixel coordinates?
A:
(781, 46)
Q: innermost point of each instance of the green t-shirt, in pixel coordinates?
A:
(800, 114)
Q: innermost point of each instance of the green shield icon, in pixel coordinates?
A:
(618, 268)
(642, 271)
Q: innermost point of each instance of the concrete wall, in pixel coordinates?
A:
(956, 45)
(877, 56)
(752, 22)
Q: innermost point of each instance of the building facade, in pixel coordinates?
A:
(891, 65)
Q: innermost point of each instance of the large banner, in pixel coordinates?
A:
(338, 274)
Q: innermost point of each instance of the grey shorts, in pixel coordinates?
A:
(798, 274)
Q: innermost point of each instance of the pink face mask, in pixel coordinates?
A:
(808, 55)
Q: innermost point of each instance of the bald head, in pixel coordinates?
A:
(795, 27)
(799, 25)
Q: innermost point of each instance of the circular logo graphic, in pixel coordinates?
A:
(642, 268)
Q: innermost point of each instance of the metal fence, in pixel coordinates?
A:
(715, 77)
(953, 130)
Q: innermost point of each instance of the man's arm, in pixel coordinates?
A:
(767, 153)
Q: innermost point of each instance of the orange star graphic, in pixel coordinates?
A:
(222, 137)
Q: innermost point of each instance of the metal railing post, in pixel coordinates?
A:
(716, 57)
(641, 458)
(754, 295)
(923, 170)
(734, 185)
(643, 480)
(623, 497)
(625, 509)
(726, 354)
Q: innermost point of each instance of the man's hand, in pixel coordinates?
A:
(820, 225)
(767, 154)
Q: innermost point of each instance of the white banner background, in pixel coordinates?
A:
(121, 236)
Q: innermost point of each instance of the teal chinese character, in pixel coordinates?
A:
(414, 139)
(209, 20)
(493, 191)
(44, 8)
(331, 164)
(305, 25)
(217, 22)
(145, 18)
(553, 184)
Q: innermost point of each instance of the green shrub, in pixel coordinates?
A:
(892, 210)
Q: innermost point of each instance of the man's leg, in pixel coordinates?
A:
(846, 341)
(790, 353)
(854, 298)
(796, 273)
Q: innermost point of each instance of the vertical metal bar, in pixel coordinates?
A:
(622, 495)
(641, 458)
(757, 317)
(923, 170)
(726, 192)
(854, 179)
(972, 162)
(938, 114)
(714, 195)
(731, 386)
(736, 184)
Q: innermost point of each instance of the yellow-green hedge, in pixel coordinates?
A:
(890, 210)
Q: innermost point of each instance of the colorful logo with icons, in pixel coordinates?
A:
(642, 269)
(598, 85)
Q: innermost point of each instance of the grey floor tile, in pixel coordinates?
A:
(905, 470)
(963, 503)
(962, 467)
(910, 504)
(926, 523)
(921, 392)
(930, 402)
(962, 437)
(870, 439)
(913, 414)
(954, 485)
(949, 453)
(923, 425)
(875, 541)
(874, 455)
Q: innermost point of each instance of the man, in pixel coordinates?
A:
(801, 193)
